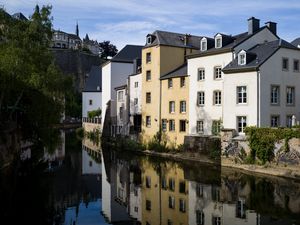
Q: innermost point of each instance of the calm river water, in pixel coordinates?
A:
(80, 184)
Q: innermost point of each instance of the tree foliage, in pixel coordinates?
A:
(107, 49)
(32, 88)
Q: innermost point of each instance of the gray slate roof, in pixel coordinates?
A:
(296, 42)
(181, 71)
(259, 54)
(128, 54)
(174, 39)
(94, 81)
(19, 16)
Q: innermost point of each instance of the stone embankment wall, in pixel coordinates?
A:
(203, 144)
(90, 127)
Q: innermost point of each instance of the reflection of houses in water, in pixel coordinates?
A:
(91, 161)
(56, 158)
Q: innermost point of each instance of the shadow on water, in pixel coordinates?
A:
(80, 183)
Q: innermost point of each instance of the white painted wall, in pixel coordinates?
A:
(135, 201)
(96, 97)
(122, 120)
(114, 74)
(271, 73)
(231, 108)
(89, 165)
(135, 92)
(208, 112)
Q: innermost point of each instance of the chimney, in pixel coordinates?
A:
(272, 26)
(253, 25)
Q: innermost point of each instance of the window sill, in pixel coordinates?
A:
(290, 105)
(241, 104)
(182, 112)
(274, 104)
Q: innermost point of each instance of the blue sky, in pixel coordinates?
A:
(129, 21)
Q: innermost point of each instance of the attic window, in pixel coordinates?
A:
(242, 58)
(149, 39)
(218, 41)
(203, 44)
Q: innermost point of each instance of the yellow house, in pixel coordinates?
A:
(163, 53)
(175, 100)
(165, 198)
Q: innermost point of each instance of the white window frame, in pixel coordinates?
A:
(203, 41)
(200, 126)
(200, 98)
(149, 39)
(242, 60)
(217, 72)
(241, 94)
(136, 84)
(201, 74)
(290, 96)
(241, 120)
(218, 38)
(120, 96)
(135, 101)
(275, 95)
(217, 97)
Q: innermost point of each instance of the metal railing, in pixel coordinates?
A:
(96, 120)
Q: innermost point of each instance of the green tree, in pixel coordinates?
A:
(107, 49)
(32, 88)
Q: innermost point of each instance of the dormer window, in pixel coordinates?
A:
(149, 39)
(203, 44)
(242, 58)
(218, 41)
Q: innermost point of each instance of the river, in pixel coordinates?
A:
(81, 184)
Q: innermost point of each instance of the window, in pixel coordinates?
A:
(203, 44)
(182, 187)
(171, 107)
(217, 98)
(241, 123)
(148, 205)
(149, 39)
(275, 122)
(148, 121)
(121, 110)
(275, 94)
(148, 97)
(216, 127)
(171, 202)
(199, 190)
(182, 205)
(170, 222)
(201, 98)
(182, 125)
(136, 209)
(135, 101)
(182, 81)
(164, 125)
(120, 96)
(216, 220)
(171, 125)
(90, 102)
(148, 182)
(164, 183)
(218, 72)
(290, 95)
(91, 163)
(148, 57)
(242, 58)
(200, 126)
(218, 42)
(182, 106)
(241, 209)
(201, 74)
(289, 119)
(241, 94)
(285, 64)
(148, 75)
(199, 217)
(296, 65)
(136, 84)
(170, 83)
(172, 184)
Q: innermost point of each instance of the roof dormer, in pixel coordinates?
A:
(218, 41)
(242, 58)
(149, 39)
(203, 44)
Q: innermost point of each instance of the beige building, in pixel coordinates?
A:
(163, 53)
(175, 105)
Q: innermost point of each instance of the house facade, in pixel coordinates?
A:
(210, 87)
(163, 53)
(121, 125)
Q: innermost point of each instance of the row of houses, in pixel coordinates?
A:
(187, 85)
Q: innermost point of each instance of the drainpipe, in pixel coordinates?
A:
(258, 99)
(160, 100)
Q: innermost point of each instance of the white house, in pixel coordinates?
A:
(92, 93)
(262, 87)
(115, 73)
(207, 80)
(121, 125)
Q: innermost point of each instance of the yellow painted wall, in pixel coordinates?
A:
(164, 59)
(177, 94)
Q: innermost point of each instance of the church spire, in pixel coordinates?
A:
(77, 29)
